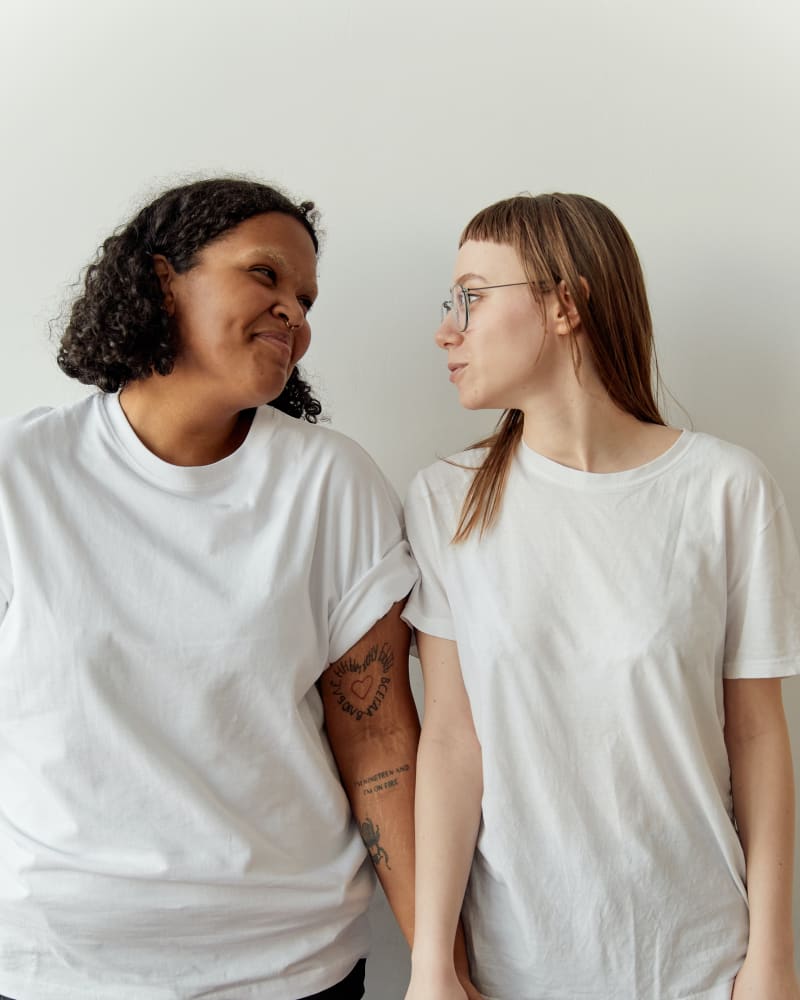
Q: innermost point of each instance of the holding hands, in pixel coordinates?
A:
(441, 984)
(432, 979)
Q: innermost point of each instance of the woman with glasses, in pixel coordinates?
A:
(605, 609)
(201, 651)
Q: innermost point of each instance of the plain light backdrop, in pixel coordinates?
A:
(401, 120)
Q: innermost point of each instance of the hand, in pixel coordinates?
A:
(761, 981)
(471, 992)
(461, 963)
(435, 979)
(442, 985)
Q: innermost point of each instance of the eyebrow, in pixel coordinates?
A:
(467, 277)
(276, 257)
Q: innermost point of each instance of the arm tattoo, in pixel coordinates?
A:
(372, 838)
(360, 686)
(381, 781)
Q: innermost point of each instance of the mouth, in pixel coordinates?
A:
(455, 371)
(280, 339)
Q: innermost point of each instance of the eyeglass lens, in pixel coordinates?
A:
(458, 306)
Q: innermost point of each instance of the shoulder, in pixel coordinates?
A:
(436, 495)
(24, 431)
(16, 427)
(735, 473)
(326, 456)
(319, 442)
(45, 432)
(728, 457)
(447, 479)
(727, 460)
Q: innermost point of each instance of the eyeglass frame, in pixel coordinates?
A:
(448, 306)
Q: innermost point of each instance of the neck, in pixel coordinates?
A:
(582, 428)
(181, 432)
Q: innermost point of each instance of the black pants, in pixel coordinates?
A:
(350, 988)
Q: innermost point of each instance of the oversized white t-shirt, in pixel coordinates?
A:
(172, 824)
(595, 623)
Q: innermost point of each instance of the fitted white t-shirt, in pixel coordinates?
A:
(172, 823)
(595, 623)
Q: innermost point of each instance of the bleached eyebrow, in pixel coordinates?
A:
(470, 276)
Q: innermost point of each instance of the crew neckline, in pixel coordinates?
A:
(184, 478)
(537, 464)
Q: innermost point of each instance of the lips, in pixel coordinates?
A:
(455, 370)
(278, 338)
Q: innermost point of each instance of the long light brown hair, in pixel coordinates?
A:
(566, 238)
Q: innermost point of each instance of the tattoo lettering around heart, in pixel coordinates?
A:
(360, 686)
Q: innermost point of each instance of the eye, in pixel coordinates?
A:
(471, 296)
(305, 304)
(267, 272)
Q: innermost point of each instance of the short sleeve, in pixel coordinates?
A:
(428, 608)
(366, 549)
(763, 617)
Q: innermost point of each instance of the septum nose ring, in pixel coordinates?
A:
(290, 326)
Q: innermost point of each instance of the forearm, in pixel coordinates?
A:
(373, 730)
(763, 800)
(378, 776)
(448, 811)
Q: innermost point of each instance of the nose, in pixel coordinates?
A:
(291, 314)
(447, 335)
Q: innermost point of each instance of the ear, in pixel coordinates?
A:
(566, 318)
(165, 273)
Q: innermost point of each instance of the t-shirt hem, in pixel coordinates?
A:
(286, 988)
(722, 991)
(365, 604)
(442, 628)
(784, 666)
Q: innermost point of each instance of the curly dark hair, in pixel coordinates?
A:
(118, 332)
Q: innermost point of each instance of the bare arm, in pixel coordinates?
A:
(763, 803)
(373, 731)
(448, 811)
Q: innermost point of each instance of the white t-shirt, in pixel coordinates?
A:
(595, 623)
(172, 824)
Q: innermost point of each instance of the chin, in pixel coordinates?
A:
(269, 393)
(474, 401)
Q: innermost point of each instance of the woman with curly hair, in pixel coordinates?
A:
(201, 654)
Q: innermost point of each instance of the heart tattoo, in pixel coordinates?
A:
(360, 686)
(361, 689)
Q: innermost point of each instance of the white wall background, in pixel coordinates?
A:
(401, 120)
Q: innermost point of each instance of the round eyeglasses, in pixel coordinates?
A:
(457, 305)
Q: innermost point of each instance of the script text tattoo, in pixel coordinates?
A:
(360, 686)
